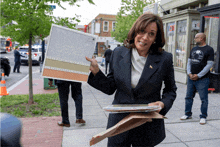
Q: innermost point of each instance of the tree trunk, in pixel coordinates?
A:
(31, 101)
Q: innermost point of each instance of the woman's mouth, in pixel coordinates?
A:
(141, 43)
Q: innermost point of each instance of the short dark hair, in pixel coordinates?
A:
(141, 23)
(109, 46)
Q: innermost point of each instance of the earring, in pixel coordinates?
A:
(154, 42)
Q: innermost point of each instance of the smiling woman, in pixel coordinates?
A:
(136, 73)
(145, 38)
(148, 29)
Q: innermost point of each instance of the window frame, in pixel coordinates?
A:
(113, 28)
(104, 26)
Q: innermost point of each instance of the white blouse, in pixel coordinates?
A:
(137, 67)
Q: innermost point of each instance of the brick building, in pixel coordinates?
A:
(102, 25)
(80, 27)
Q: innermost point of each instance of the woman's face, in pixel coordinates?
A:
(145, 38)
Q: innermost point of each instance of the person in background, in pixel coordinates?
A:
(107, 56)
(136, 73)
(76, 93)
(198, 68)
(17, 60)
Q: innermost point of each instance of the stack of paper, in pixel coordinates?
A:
(122, 108)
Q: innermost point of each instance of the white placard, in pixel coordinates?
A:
(66, 53)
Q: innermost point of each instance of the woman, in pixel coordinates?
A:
(136, 74)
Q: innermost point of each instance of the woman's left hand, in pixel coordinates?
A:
(158, 103)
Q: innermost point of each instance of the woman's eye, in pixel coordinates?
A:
(151, 34)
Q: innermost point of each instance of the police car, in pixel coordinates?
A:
(36, 54)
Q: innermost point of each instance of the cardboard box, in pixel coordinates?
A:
(131, 121)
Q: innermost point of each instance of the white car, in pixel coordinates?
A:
(99, 59)
(36, 54)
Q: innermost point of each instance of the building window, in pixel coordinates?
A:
(181, 44)
(97, 27)
(113, 26)
(105, 26)
(211, 25)
(194, 30)
(170, 37)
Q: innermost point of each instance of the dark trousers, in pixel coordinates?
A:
(76, 93)
(106, 67)
(17, 66)
(201, 86)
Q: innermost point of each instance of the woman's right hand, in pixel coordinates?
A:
(94, 65)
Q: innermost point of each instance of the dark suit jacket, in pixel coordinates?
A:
(158, 68)
(17, 56)
(107, 55)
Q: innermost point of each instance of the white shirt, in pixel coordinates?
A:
(137, 66)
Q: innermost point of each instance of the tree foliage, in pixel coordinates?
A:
(127, 15)
(31, 17)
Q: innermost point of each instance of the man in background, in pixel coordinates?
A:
(198, 68)
(76, 93)
(17, 60)
(107, 56)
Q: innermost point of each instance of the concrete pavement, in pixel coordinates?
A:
(179, 133)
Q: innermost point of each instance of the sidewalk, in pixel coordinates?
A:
(44, 131)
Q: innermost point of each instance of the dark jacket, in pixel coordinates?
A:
(158, 68)
(107, 55)
(17, 56)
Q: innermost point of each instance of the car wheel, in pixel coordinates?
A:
(1, 71)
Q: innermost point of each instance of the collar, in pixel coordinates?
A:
(136, 56)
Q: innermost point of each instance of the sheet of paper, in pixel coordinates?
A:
(65, 54)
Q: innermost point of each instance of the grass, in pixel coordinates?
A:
(44, 105)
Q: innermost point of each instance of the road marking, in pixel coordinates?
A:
(18, 83)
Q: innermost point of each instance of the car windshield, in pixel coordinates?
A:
(34, 50)
(23, 49)
(26, 50)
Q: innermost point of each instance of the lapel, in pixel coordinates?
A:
(150, 68)
(125, 64)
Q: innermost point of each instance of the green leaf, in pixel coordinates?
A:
(91, 2)
(127, 15)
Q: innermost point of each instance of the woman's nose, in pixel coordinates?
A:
(145, 36)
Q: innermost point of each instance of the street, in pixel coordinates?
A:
(24, 69)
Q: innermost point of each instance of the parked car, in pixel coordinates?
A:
(5, 66)
(36, 54)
